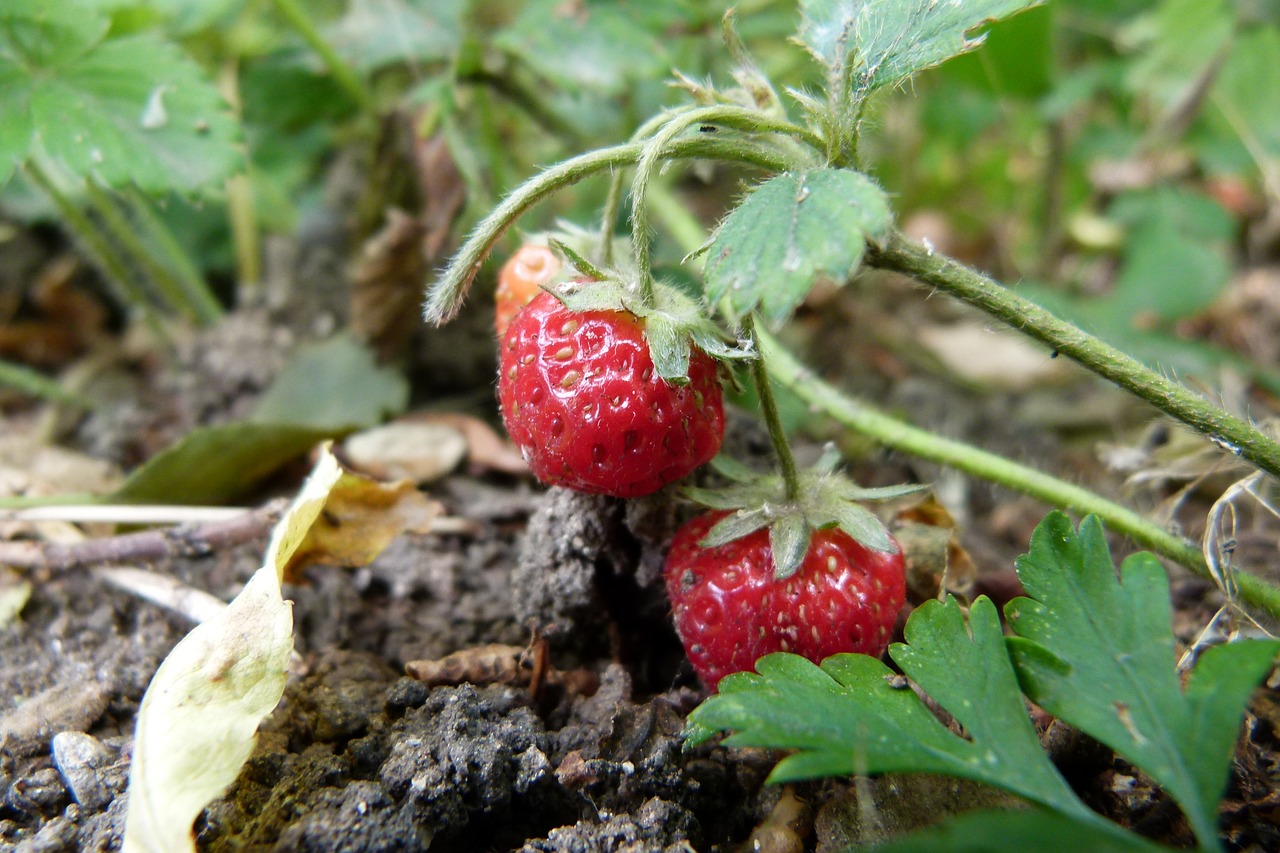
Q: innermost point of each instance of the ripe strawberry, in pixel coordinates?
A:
(520, 279)
(731, 610)
(582, 400)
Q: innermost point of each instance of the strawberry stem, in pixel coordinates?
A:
(769, 408)
(447, 292)
(890, 432)
(1223, 429)
(655, 149)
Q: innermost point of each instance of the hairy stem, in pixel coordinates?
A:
(713, 117)
(1176, 400)
(104, 254)
(617, 184)
(899, 435)
(187, 276)
(125, 233)
(769, 408)
(445, 297)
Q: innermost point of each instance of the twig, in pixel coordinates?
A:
(185, 540)
(164, 591)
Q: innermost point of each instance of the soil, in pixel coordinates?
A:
(359, 757)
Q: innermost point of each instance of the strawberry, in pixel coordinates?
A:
(582, 399)
(521, 278)
(731, 608)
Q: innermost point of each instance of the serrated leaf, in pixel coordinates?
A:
(789, 539)
(336, 386)
(124, 110)
(197, 722)
(889, 40)
(792, 232)
(848, 717)
(1098, 652)
(1017, 832)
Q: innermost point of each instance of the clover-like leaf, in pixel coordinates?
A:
(128, 110)
(792, 232)
(1097, 650)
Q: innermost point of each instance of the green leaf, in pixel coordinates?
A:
(886, 41)
(31, 381)
(214, 465)
(1017, 59)
(125, 110)
(1246, 96)
(376, 33)
(1098, 652)
(336, 386)
(600, 47)
(792, 232)
(1017, 832)
(849, 715)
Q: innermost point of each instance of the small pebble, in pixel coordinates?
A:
(88, 767)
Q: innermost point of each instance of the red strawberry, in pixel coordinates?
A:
(731, 610)
(582, 400)
(520, 279)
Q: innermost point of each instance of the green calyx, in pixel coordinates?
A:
(826, 498)
(673, 321)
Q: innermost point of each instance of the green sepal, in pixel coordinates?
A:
(859, 523)
(759, 500)
(581, 296)
(730, 468)
(575, 260)
(669, 348)
(734, 526)
(789, 539)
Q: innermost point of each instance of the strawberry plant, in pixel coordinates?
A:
(748, 579)
(1094, 649)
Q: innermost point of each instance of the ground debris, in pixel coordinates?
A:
(498, 663)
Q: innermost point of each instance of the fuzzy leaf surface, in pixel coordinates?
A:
(889, 40)
(123, 110)
(793, 231)
(846, 716)
(1097, 651)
